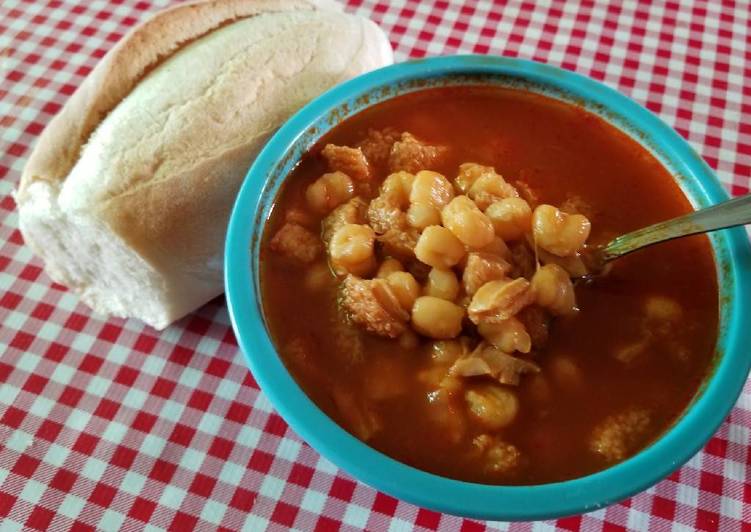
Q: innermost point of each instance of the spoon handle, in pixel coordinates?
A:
(727, 214)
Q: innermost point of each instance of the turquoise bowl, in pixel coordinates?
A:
(688, 434)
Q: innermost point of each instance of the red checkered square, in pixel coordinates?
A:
(40, 518)
(142, 509)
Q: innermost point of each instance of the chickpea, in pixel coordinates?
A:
(462, 217)
(389, 266)
(662, 308)
(573, 264)
(432, 376)
(557, 232)
(538, 388)
(447, 352)
(629, 352)
(491, 405)
(508, 335)
(445, 415)
(422, 215)
(473, 173)
(431, 188)
(439, 248)
(405, 288)
(553, 289)
(468, 174)
(318, 277)
(437, 318)
(397, 188)
(489, 188)
(351, 249)
(329, 191)
(511, 218)
(565, 373)
(497, 247)
(409, 340)
(443, 284)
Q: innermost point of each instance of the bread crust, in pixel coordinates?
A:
(143, 48)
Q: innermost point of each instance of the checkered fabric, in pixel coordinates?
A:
(111, 425)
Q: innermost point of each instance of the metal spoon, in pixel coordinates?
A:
(727, 214)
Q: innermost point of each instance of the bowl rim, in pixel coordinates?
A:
(574, 496)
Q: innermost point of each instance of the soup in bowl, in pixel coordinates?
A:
(405, 274)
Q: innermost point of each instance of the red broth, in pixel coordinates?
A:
(607, 360)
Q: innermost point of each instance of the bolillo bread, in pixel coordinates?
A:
(127, 193)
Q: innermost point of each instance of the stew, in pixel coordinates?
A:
(421, 277)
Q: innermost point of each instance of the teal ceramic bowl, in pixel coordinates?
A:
(732, 255)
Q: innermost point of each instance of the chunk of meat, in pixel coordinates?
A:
(529, 194)
(617, 436)
(299, 216)
(419, 270)
(490, 361)
(661, 315)
(498, 456)
(400, 243)
(299, 352)
(412, 155)
(350, 161)
(372, 305)
(482, 268)
(385, 214)
(358, 417)
(537, 322)
(352, 212)
(296, 242)
(377, 145)
(575, 204)
(319, 276)
(347, 340)
(523, 260)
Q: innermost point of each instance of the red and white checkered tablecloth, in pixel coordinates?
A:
(111, 425)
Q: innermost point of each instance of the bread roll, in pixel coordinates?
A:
(127, 194)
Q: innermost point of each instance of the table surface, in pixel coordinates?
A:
(111, 425)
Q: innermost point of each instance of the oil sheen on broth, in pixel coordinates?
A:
(599, 384)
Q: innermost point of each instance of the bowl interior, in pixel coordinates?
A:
(689, 433)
